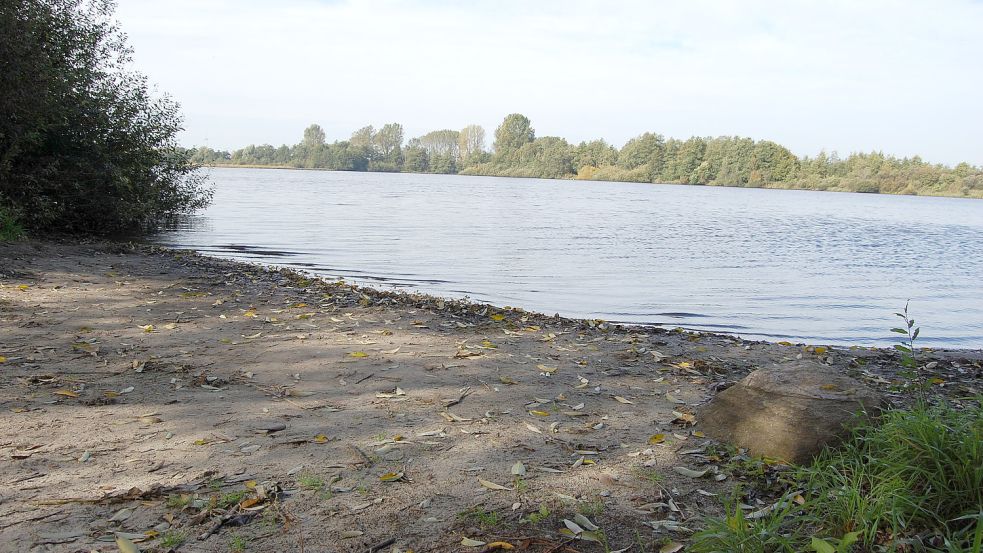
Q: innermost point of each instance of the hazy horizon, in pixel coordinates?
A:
(894, 77)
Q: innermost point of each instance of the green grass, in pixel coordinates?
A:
(231, 499)
(481, 517)
(172, 539)
(237, 544)
(310, 482)
(912, 481)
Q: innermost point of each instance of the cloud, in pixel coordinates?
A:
(897, 76)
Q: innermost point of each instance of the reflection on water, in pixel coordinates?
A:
(796, 265)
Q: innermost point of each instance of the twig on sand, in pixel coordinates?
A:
(366, 459)
(386, 543)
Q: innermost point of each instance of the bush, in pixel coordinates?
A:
(10, 228)
(84, 147)
(912, 481)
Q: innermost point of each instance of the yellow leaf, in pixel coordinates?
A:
(391, 476)
(304, 316)
(111, 393)
(300, 305)
(66, 393)
(200, 442)
(358, 354)
(784, 343)
(320, 439)
(820, 350)
(499, 545)
(147, 328)
(698, 434)
(23, 287)
(497, 317)
(539, 413)
(531, 328)
(3, 359)
(488, 344)
(491, 485)
(126, 546)
(251, 502)
(657, 439)
(251, 313)
(503, 379)
(937, 380)
(250, 484)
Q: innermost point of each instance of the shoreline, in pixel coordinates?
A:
(373, 414)
(574, 178)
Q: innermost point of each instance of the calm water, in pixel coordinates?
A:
(782, 265)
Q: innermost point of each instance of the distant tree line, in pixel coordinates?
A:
(517, 152)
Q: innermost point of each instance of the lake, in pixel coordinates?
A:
(816, 267)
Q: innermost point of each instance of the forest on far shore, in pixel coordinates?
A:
(517, 152)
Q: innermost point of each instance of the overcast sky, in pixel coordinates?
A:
(905, 77)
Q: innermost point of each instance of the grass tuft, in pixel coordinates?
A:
(911, 481)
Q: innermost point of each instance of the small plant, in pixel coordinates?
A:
(651, 475)
(237, 544)
(178, 501)
(542, 514)
(591, 508)
(10, 229)
(481, 517)
(172, 539)
(907, 345)
(231, 499)
(521, 486)
(310, 482)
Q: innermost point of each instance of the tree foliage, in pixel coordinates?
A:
(84, 145)
(649, 157)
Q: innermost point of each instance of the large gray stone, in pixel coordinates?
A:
(788, 413)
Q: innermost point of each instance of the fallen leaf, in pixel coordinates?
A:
(126, 546)
(690, 472)
(657, 439)
(620, 399)
(147, 328)
(499, 545)
(348, 534)
(497, 317)
(671, 547)
(391, 476)
(585, 522)
(468, 542)
(492, 485)
(358, 354)
(65, 393)
(546, 370)
(539, 413)
(320, 439)
(518, 469)
(488, 344)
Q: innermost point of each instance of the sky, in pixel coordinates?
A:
(902, 77)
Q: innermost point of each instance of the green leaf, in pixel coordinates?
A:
(911, 323)
(915, 335)
(900, 331)
(905, 349)
(822, 546)
(849, 539)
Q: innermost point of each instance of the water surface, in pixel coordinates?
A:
(781, 265)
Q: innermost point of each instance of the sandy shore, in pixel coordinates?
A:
(171, 396)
